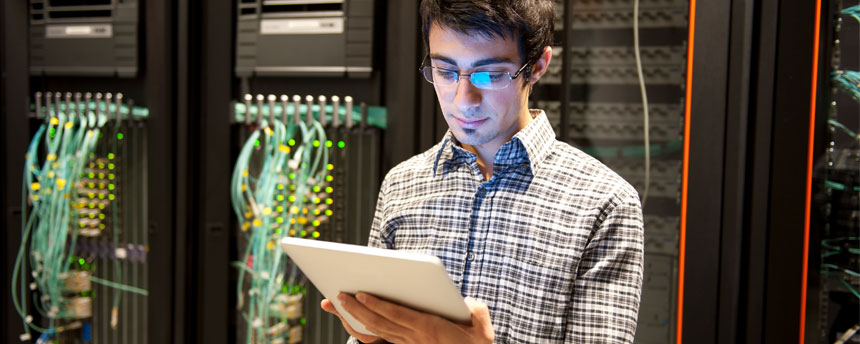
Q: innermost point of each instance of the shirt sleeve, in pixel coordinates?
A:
(375, 238)
(607, 289)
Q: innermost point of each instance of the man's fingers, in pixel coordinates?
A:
(327, 306)
(398, 314)
(371, 320)
(478, 308)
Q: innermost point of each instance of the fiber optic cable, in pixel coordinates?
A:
(70, 137)
(644, 101)
(260, 195)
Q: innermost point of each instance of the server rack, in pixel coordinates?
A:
(831, 303)
(147, 189)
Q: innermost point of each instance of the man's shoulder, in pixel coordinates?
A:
(575, 168)
(419, 165)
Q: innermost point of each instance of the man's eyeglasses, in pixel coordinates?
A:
(482, 80)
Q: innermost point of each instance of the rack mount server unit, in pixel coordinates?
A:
(304, 38)
(84, 37)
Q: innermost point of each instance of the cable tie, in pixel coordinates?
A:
(28, 319)
(24, 337)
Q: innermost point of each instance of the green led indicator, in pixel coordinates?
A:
(316, 189)
(91, 175)
(119, 136)
(101, 165)
(257, 143)
(329, 189)
(101, 216)
(330, 167)
(101, 176)
(303, 321)
(292, 176)
(341, 144)
(92, 215)
(110, 197)
(292, 198)
(81, 261)
(110, 156)
(328, 143)
(303, 233)
(110, 166)
(280, 198)
(284, 289)
(316, 143)
(52, 132)
(291, 142)
(279, 220)
(110, 187)
(329, 178)
(328, 212)
(329, 201)
(101, 196)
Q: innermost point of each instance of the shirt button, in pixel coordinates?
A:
(470, 256)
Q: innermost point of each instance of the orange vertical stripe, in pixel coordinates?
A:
(685, 174)
(809, 156)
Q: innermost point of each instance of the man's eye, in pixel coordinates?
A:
(445, 75)
(498, 76)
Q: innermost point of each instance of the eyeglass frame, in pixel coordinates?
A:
(512, 77)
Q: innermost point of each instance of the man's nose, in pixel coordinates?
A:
(468, 96)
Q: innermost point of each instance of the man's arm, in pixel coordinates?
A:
(608, 285)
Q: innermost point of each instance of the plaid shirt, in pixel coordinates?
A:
(552, 243)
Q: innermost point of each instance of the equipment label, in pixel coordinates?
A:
(79, 31)
(302, 26)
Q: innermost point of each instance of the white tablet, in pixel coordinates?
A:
(415, 280)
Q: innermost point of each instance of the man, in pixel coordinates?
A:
(545, 242)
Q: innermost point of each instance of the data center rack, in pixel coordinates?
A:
(594, 73)
(834, 244)
(337, 208)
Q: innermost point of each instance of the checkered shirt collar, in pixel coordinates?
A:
(532, 142)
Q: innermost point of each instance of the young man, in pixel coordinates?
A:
(545, 241)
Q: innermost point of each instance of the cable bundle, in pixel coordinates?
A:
(281, 186)
(52, 187)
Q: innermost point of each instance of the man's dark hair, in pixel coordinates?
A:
(530, 22)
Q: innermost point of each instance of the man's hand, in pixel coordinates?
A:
(398, 324)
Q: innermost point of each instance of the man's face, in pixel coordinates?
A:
(477, 116)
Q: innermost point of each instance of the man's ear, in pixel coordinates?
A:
(541, 65)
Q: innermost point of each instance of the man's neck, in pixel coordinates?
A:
(486, 153)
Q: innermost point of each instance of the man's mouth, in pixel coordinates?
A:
(466, 124)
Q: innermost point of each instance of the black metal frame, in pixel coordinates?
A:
(778, 171)
(706, 187)
(15, 86)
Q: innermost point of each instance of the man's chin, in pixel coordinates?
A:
(470, 137)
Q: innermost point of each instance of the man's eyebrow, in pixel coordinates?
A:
(479, 63)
